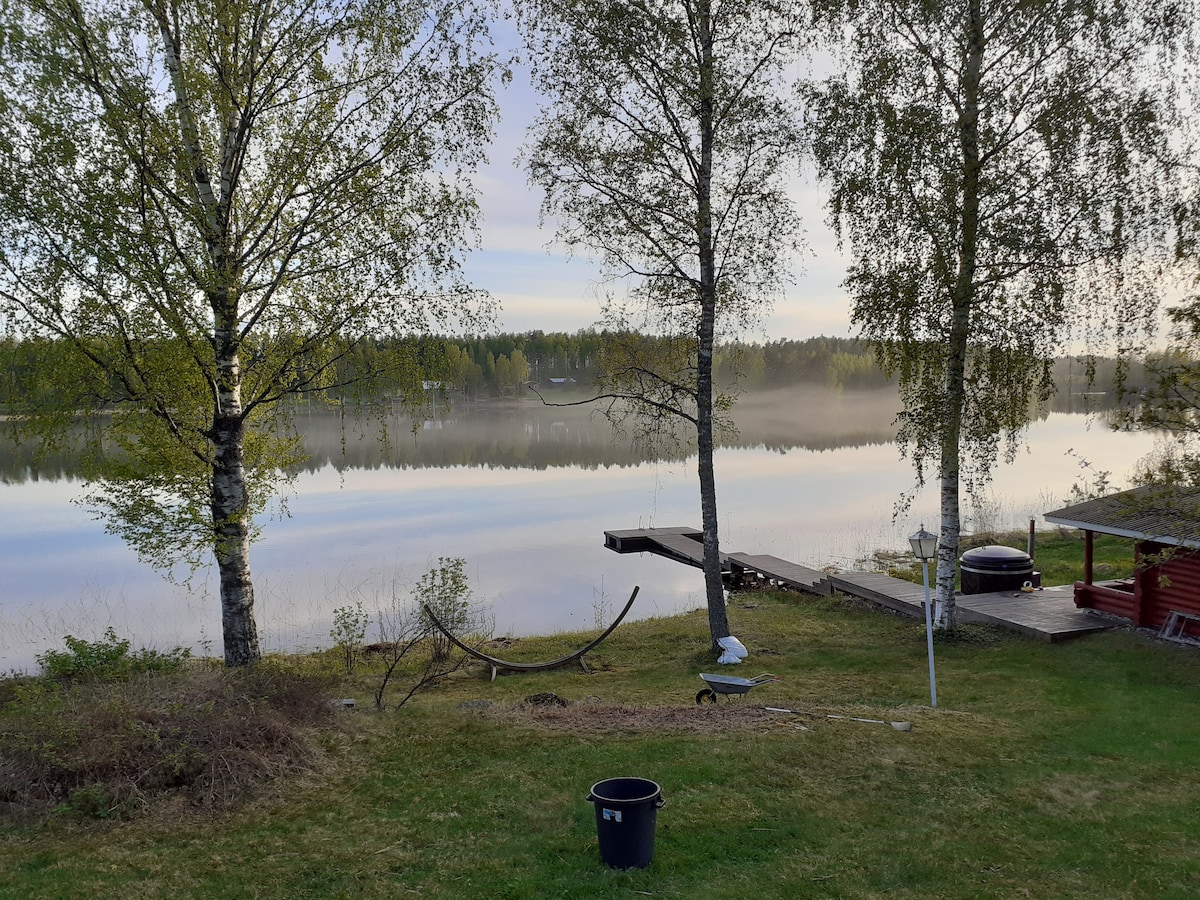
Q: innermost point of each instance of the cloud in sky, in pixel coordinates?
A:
(539, 287)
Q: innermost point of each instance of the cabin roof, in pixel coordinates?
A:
(1165, 515)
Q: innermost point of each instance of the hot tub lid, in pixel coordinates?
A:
(996, 558)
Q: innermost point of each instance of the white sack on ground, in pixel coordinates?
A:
(734, 651)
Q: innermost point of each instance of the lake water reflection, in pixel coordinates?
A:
(524, 493)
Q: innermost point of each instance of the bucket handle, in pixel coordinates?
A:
(659, 802)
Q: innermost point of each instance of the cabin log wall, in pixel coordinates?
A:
(1171, 585)
(1158, 589)
(1106, 599)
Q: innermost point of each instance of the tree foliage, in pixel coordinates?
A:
(662, 146)
(211, 203)
(1169, 402)
(996, 172)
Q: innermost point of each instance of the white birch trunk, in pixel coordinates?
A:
(945, 607)
(231, 527)
(962, 298)
(714, 587)
(229, 498)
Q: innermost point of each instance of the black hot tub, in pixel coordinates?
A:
(996, 568)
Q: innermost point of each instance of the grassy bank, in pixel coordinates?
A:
(1048, 771)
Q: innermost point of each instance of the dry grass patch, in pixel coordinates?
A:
(202, 736)
(587, 717)
(948, 726)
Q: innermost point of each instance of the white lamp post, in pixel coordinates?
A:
(924, 547)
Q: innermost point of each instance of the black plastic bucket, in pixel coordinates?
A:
(626, 811)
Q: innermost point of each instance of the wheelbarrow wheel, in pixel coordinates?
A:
(707, 694)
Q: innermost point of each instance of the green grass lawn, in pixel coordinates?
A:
(1048, 771)
(1059, 557)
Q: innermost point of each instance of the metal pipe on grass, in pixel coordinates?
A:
(898, 726)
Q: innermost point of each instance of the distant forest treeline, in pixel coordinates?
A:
(500, 366)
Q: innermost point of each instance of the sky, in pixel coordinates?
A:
(539, 287)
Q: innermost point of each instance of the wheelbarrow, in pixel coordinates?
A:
(729, 685)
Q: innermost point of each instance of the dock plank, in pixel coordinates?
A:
(642, 540)
(894, 593)
(684, 548)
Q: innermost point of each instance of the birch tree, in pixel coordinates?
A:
(211, 202)
(995, 172)
(662, 145)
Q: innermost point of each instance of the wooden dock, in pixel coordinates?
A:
(685, 545)
(778, 573)
(1049, 614)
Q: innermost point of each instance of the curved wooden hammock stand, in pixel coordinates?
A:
(498, 664)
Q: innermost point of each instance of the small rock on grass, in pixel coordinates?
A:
(548, 698)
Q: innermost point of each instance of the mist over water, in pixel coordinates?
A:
(530, 435)
(524, 493)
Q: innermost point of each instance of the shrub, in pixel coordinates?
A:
(89, 802)
(108, 659)
(348, 632)
(412, 644)
(444, 589)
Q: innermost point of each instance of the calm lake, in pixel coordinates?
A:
(524, 494)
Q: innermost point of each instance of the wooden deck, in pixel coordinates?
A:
(1048, 615)
(896, 594)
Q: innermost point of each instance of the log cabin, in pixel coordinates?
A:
(1164, 525)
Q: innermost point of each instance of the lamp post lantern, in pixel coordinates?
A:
(924, 547)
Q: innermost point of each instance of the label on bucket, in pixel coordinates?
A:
(612, 815)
